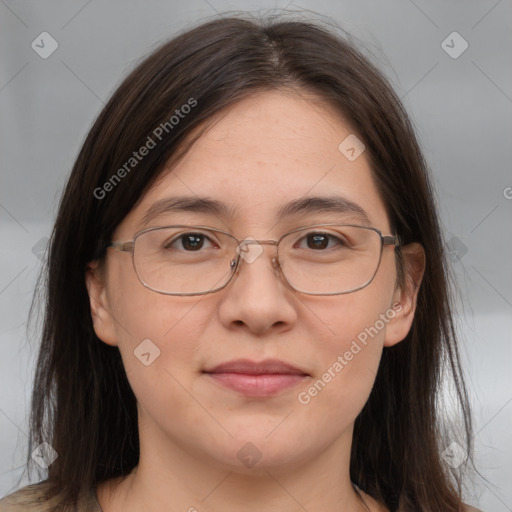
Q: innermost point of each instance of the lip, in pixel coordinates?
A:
(257, 379)
(249, 367)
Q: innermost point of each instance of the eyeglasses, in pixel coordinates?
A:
(323, 259)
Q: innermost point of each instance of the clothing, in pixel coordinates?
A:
(32, 498)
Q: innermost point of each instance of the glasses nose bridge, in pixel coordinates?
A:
(250, 241)
(260, 242)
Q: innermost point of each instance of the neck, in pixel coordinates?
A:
(168, 477)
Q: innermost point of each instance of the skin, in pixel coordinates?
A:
(266, 150)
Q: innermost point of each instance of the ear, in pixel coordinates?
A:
(103, 322)
(405, 296)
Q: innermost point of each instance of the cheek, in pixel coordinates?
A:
(345, 321)
(159, 349)
(353, 336)
(340, 387)
(155, 332)
(348, 350)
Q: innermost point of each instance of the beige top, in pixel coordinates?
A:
(30, 498)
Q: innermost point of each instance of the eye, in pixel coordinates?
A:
(320, 241)
(189, 242)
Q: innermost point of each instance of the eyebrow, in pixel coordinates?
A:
(303, 206)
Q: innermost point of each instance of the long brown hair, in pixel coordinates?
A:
(82, 403)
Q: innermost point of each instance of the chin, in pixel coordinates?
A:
(256, 452)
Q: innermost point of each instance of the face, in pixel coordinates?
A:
(267, 150)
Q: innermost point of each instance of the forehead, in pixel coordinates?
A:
(267, 150)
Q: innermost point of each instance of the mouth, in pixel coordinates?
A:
(257, 379)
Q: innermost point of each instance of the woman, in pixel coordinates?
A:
(247, 303)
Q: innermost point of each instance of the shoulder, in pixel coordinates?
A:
(466, 508)
(31, 497)
(34, 498)
(469, 508)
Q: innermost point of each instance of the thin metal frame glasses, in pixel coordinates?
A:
(242, 248)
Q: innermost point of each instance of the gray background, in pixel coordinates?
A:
(461, 108)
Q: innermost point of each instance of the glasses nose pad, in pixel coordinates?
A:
(276, 265)
(234, 264)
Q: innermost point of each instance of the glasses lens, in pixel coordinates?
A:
(330, 259)
(183, 259)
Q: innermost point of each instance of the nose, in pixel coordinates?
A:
(257, 298)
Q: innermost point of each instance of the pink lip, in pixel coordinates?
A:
(261, 379)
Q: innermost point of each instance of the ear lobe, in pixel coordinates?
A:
(102, 320)
(406, 296)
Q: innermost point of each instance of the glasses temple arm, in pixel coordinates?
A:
(121, 246)
(391, 240)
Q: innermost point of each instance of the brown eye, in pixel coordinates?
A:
(188, 242)
(192, 241)
(320, 241)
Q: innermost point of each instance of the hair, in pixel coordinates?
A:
(82, 403)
